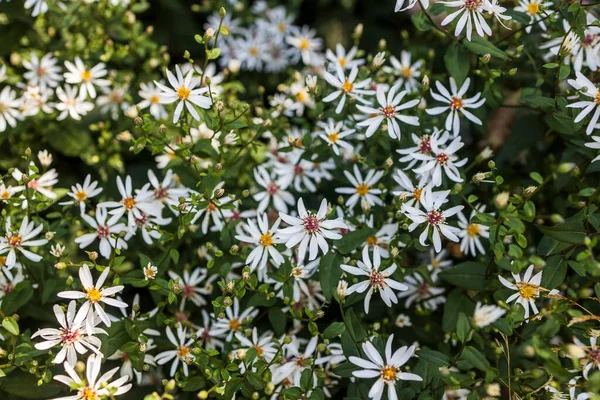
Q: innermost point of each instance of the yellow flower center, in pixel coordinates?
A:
(2, 260)
(5, 195)
(473, 230)
(342, 61)
(435, 263)
(417, 193)
(183, 351)
(527, 291)
(88, 393)
(86, 75)
(304, 44)
(362, 189)
(333, 137)
(301, 96)
(259, 350)
(154, 99)
(93, 294)
(456, 103)
(129, 203)
(266, 240)
(253, 51)
(347, 87)
(15, 240)
(388, 373)
(407, 72)
(81, 196)
(372, 240)
(281, 27)
(234, 324)
(149, 273)
(183, 93)
(597, 98)
(533, 8)
(297, 272)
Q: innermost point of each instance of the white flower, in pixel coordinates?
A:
(455, 103)
(333, 134)
(18, 240)
(9, 108)
(344, 59)
(408, 192)
(184, 92)
(592, 353)
(588, 89)
(581, 52)
(379, 281)
(127, 366)
(72, 103)
(92, 387)
(150, 271)
(94, 294)
(434, 218)
(181, 353)
(534, 8)
(113, 101)
(472, 15)
(594, 144)
(403, 321)
(497, 11)
(212, 211)
(528, 289)
(88, 78)
(42, 185)
(409, 4)
(43, 71)
(38, 7)
(190, 289)
(72, 336)
(486, 314)
(151, 98)
(264, 344)
(80, 193)
(7, 192)
(363, 189)
(310, 230)
(408, 72)
(57, 250)
(386, 371)
(471, 233)
(422, 145)
(346, 86)
(441, 160)
(274, 192)
(422, 292)
(304, 46)
(168, 191)
(45, 158)
(264, 239)
(389, 110)
(107, 232)
(233, 320)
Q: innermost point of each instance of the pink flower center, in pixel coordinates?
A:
(298, 170)
(33, 184)
(160, 193)
(15, 240)
(377, 280)
(272, 188)
(142, 220)
(69, 335)
(103, 231)
(425, 145)
(388, 111)
(423, 289)
(311, 224)
(594, 356)
(188, 291)
(434, 217)
(442, 158)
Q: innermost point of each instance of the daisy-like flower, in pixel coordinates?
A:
(137, 206)
(346, 86)
(403, 321)
(437, 262)
(89, 78)
(407, 71)
(379, 281)
(472, 17)
(233, 320)
(403, 5)
(363, 189)
(533, 8)
(182, 352)
(591, 359)
(190, 287)
(80, 193)
(151, 98)
(345, 59)
(94, 294)
(441, 160)
(408, 192)
(9, 108)
(471, 233)
(72, 336)
(587, 89)
(594, 144)
(150, 271)
(494, 9)
(485, 315)
(184, 92)
(72, 103)
(389, 111)
(18, 240)
(42, 185)
(7, 192)
(290, 372)
(528, 289)
(263, 344)
(57, 250)
(333, 134)
(305, 46)
(43, 71)
(127, 368)
(274, 192)
(37, 7)
(421, 292)
(213, 212)
(434, 218)
(168, 191)
(387, 371)
(264, 238)
(310, 230)
(456, 104)
(422, 145)
(107, 232)
(92, 387)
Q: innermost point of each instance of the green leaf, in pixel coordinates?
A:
(333, 330)
(457, 62)
(481, 46)
(475, 358)
(463, 326)
(330, 273)
(434, 357)
(571, 232)
(25, 385)
(355, 327)
(468, 275)
(352, 240)
(17, 298)
(554, 272)
(11, 325)
(456, 303)
(536, 177)
(213, 53)
(421, 21)
(277, 320)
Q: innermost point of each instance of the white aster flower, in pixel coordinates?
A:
(345, 59)
(485, 315)
(441, 161)
(78, 73)
(233, 321)
(43, 71)
(379, 281)
(363, 189)
(72, 103)
(334, 134)
(7, 192)
(587, 89)
(150, 271)
(403, 5)
(528, 289)
(305, 46)
(434, 219)
(407, 71)
(422, 292)
(403, 321)
(471, 233)
(310, 230)
(387, 371)
(190, 286)
(472, 17)
(9, 108)
(17, 240)
(107, 232)
(94, 294)
(346, 86)
(182, 352)
(212, 211)
(594, 144)
(184, 92)
(264, 238)
(80, 193)
(456, 104)
(264, 344)
(534, 9)
(274, 192)
(389, 111)
(151, 99)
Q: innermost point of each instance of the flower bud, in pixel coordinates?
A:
(219, 192)
(501, 199)
(486, 58)
(565, 168)
(222, 12)
(162, 129)
(138, 121)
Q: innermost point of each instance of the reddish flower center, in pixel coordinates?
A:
(442, 158)
(188, 291)
(272, 188)
(388, 111)
(33, 184)
(298, 170)
(425, 145)
(142, 220)
(423, 289)
(435, 217)
(103, 231)
(160, 193)
(69, 335)
(594, 356)
(15, 240)
(377, 280)
(311, 224)
(456, 102)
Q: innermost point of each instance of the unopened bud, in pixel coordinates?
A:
(358, 30)
(478, 177)
(138, 121)
(162, 129)
(219, 192)
(486, 58)
(565, 168)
